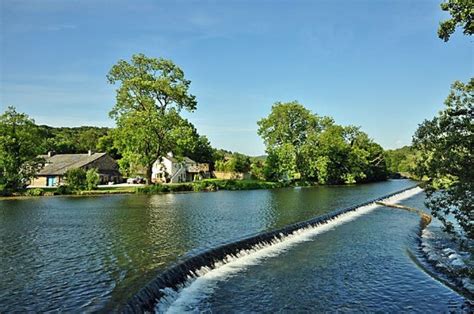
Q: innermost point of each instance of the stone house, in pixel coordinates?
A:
(170, 169)
(55, 167)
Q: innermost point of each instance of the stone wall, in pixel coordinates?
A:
(41, 181)
(107, 168)
(231, 175)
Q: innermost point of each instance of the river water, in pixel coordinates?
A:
(365, 264)
(94, 253)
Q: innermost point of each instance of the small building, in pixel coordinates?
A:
(170, 169)
(55, 167)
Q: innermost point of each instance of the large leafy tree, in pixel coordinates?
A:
(19, 148)
(445, 145)
(285, 132)
(303, 145)
(462, 14)
(151, 94)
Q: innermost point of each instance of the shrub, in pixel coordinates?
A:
(62, 190)
(34, 192)
(76, 179)
(181, 187)
(199, 186)
(4, 191)
(92, 179)
(151, 189)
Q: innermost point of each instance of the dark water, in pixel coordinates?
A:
(360, 266)
(91, 253)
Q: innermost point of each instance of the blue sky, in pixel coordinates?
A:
(375, 64)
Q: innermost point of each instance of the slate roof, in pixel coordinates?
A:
(175, 160)
(59, 164)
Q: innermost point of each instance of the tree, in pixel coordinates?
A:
(303, 145)
(151, 94)
(331, 157)
(462, 14)
(19, 148)
(106, 144)
(189, 143)
(234, 162)
(67, 140)
(285, 132)
(401, 159)
(257, 169)
(446, 144)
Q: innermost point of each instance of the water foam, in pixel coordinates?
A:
(203, 281)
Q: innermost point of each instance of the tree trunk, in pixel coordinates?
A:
(148, 173)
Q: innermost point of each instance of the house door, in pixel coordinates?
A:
(50, 181)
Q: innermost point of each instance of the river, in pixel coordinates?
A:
(94, 253)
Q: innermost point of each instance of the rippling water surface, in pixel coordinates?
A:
(91, 253)
(361, 266)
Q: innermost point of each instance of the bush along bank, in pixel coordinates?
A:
(210, 185)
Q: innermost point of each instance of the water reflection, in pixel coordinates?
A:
(91, 253)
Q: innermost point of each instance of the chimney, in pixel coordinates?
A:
(90, 153)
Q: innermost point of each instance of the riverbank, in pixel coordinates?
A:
(207, 185)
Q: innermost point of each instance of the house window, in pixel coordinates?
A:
(50, 181)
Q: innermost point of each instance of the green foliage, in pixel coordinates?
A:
(401, 160)
(76, 179)
(65, 140)
(305, 146)
(151, 94)
(92, 179)
(189, 143)
(34, 192)
(63, 190)
(234, 162)
(257, 169)
(79, 179)
(209, 185)
(4, 190)
(165, 188)
(462, 14)
(106, 144)
(19, 147)
(445, 146)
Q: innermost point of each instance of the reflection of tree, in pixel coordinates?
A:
(147, 236)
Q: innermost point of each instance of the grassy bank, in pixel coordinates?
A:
(207, 185)
(210, 185)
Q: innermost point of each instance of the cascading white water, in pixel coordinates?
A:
(202, 282)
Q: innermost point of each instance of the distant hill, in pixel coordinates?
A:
(261, 157)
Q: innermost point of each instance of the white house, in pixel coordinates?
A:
(173, 170)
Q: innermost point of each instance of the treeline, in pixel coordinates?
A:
(401, 160)
(40, 139)
(304, 146)
(300, 146)
(72, 140)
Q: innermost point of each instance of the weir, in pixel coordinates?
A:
(177, 276)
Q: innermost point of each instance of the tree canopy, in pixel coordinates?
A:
(151, 94)
(303, 145)
(446, 146)
(19, 147)
(462, 14)
(401, 160)
(71, 140)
